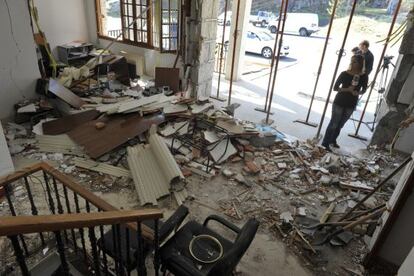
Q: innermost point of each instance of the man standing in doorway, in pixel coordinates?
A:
(368, 56)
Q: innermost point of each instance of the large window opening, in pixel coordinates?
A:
(158, 27)
(169, 25)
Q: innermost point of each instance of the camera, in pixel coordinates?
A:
(387, 60)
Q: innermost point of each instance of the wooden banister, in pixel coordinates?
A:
(67, 181)
(49, 223)
(21, 173)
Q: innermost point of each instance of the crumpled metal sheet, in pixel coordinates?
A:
(153, 169)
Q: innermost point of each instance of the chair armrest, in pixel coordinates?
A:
(173, 222)
(223, 221)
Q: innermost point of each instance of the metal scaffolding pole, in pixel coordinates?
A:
(306, 122)
(222, 52)
(340, 54)
(264, 109)
(384, 50)
(286, 3)
(234, 51)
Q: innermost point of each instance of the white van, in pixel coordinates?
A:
(303, 24)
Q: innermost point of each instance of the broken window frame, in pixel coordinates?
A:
(155, 25)
(168, 35)
(137, 30)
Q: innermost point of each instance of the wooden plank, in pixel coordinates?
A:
(13, 225)
(20, 174)
(67, 123)
(118, 130)
(102, 167)
(65, 94)
(168, 77)
(324, 218)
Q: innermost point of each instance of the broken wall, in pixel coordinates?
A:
(398, 97)
(400, 240)
(153, 58)
(18, 60)
(63, 21)
(201, 45)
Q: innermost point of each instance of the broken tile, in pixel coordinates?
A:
(281, 165)
(227, 173)
(286, 217)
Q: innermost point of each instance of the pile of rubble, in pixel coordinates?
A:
(154, 142)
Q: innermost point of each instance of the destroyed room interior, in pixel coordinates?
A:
(207, 137)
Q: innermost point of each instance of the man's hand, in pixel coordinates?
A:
(407, 122)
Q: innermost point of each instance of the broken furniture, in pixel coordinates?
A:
(129, 240)
(216, 151)
(116, 64)
(176, 257)
(65, 94)
(117, 130)
(168, 77)
(70, 53)
(69, 122)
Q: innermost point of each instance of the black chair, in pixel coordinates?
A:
(165, 229)
(177, 259)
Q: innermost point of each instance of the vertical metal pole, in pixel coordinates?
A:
(273, 58)
(387, 40)
(328, 35)
(19, 255)
(340, 53)
(222, 49)
(61, 251)
(156, 248)
(33, 206)
(234, 51)
(140, 253)
(286, 3)
(13, 212)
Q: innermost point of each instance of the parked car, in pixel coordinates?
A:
(261, 42)
(262, 18)
(303, 24)
(220, 19)
(258, 42)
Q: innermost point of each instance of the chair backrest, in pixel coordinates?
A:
(230, 259)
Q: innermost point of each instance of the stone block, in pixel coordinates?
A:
(209, 29)
(209, 9)
(203, 72)
(207, 52)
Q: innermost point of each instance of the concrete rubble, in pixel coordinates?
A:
(288, 185)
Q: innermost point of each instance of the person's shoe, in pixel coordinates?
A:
(335, 145)
(327, 148)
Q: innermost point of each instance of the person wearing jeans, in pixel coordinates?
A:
(349, 85)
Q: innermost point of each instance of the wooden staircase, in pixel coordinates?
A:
(71, 220)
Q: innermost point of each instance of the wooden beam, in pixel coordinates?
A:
(21, 173)
(13, 225)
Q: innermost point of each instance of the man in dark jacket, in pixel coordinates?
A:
(368, 56)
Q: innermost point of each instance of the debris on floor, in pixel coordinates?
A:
(156, 146)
